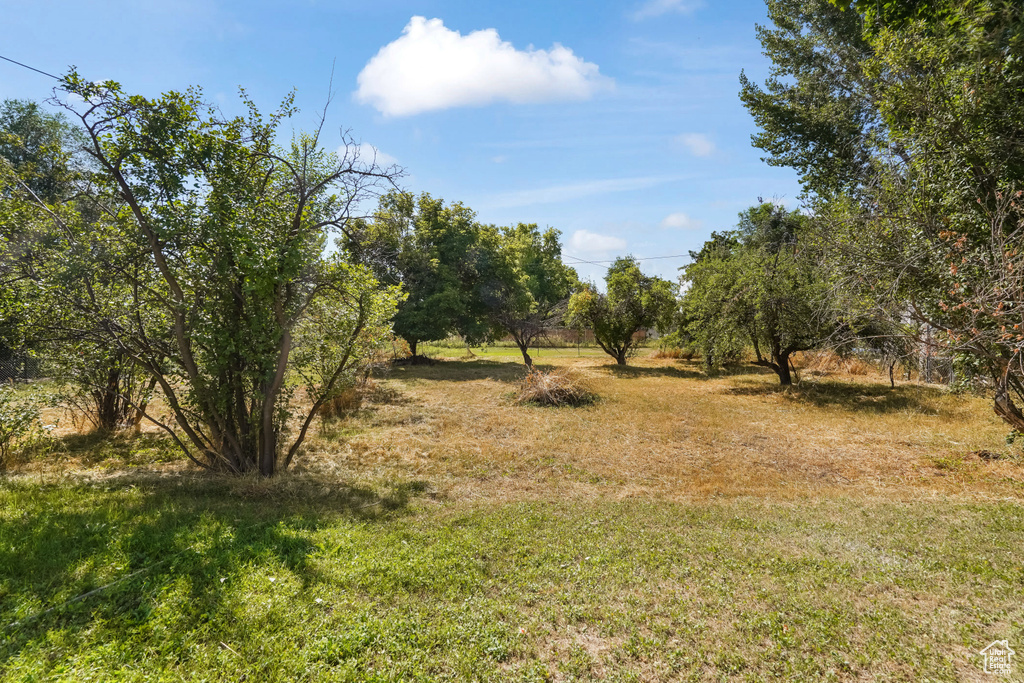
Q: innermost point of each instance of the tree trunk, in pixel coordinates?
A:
(412, 346)
(620, 357)
(780, 364)
(1005, 408)
(108, 403)
(892, 379)
(526, 356)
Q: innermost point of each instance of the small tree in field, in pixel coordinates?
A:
(634, 303)
(209, 242)
(528, 286)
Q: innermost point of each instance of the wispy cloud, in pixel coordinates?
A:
(656, 8)
(562, 193)
(589, 243)
(368, 153)
(697, 144)
(680, 221)
(431, 67)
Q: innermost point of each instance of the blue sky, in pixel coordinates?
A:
(616, 122)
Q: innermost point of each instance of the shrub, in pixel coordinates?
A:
(672, 346)
(556, 388)
(399, 348)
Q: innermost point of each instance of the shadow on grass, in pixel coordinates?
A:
(126, 448)
(464, 371)
(134, 538)
(682, 370)
(851, 396)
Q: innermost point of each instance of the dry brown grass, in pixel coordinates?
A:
(667, 350)
(559, 387)
(830, 362)
(663, 429)
(341, 405)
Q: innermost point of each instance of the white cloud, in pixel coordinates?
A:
(587, 188)
(679, 221)
(368, 153)
(432, 67)
(698, 144)
(593, 243)
(656, 8)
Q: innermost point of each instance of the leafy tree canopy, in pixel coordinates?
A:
(760, 286)
(436, 252)
(634, 303)
(206, 260)
(528, 287)
(914, 172)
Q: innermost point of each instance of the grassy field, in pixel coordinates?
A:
(681, 528)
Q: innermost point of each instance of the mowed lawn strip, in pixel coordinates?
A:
(303, 582)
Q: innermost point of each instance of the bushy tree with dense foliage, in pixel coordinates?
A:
(527, 288)
(34, 160)
(633, 303)
(436, 253)
(760, 286)
(209, 246)
(43, 178)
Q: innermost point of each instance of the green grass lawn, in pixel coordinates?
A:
(298, 581)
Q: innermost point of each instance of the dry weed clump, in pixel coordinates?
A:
(560, 387)
(830, 362)
(341, 405)
(674, 353)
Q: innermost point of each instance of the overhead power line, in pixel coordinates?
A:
(30, 68)
(646, 258)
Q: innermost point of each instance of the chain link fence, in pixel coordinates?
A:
(17, 366)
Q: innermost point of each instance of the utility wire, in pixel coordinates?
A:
(30, 68)
(647, 258)
(58, 78)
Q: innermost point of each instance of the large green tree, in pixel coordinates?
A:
(35, 159)
(759, 286)
(45, 177)
(816, 111)
(918, 204)
(436, 253)
(632, 304)
(214, 237)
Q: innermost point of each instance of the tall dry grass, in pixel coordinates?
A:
(661, 429)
